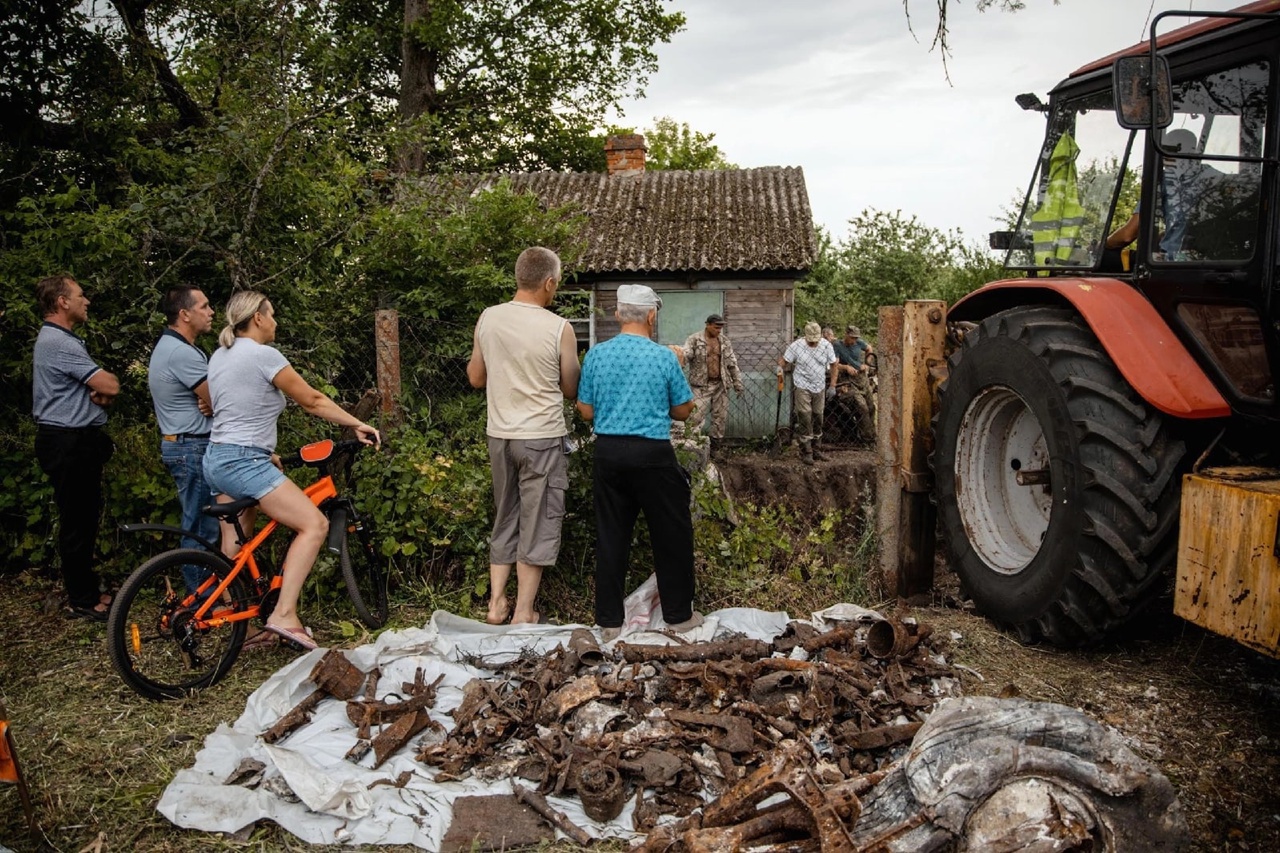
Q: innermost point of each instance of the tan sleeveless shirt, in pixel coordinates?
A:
(520, 343)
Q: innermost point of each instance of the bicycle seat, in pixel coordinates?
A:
(221, 510)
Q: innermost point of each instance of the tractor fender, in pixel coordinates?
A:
(1145, 350)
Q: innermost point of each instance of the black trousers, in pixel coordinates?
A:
(73, 459)
(634, 475)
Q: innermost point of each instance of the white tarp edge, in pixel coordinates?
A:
(336, 804)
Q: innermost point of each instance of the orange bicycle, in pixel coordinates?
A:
(178, 623)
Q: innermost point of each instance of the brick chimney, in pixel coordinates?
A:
(625, 154)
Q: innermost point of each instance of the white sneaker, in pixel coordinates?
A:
(689, 624)
(608, 635)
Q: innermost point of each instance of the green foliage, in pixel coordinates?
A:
(886, 259)
(674, 146)
(773, 545)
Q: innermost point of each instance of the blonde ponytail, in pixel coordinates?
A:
(240, 310)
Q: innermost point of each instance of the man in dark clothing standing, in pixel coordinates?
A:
(632, 388)
(69, 394)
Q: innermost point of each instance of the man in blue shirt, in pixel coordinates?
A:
(69, 396)
(632, 388)
(178, 378)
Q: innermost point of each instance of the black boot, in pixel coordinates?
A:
(806, 452)
(818, 455)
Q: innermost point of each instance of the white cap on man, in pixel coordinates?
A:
(638, 294)
(812, 332)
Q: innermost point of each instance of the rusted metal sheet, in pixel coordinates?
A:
(498, 822)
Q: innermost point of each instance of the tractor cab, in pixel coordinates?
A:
(1175, 196)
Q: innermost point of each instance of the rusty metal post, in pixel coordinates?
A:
(888, 432)
(924, 333)
(387, 347)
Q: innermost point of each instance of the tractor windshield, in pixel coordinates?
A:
(1083, 169)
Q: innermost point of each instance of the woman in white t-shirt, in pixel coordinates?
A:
(248, 383)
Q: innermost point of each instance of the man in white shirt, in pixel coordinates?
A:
(526, 359)
(811, 361)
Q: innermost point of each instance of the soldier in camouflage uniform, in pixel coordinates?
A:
(712, 368)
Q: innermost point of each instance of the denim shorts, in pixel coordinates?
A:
(241, 472)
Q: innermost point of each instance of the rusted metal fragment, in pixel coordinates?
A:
(722, 650)
(393, 737)
(498, 822)
(376, 712)
(891, 639)
(557, 818)
(578, 692)
(592, 721)
(601, 790)
(337, 676)
(399, 782)
(582, 643)
(656, 767)
(738, 735)
(877, 738)
(297, 716)
(248, 773)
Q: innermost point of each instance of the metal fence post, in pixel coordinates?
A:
(888, 434)
(387, 346)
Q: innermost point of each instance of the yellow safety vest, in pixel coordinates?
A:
(1055, 226)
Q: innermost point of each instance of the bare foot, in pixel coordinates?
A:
(535, 618)
(499, 610)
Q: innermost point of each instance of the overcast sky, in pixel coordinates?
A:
(841, 88)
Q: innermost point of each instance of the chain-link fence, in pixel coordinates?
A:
(420, 362)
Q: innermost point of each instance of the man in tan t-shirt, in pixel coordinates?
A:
(527, 360)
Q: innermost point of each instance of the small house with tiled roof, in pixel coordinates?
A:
(726, 241)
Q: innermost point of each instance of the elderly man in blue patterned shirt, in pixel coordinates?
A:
(632, 388)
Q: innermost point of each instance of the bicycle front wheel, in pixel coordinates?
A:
(365, 576)
(155, 642)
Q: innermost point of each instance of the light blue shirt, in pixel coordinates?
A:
(60, 368)
(632, 384)
(176, 369)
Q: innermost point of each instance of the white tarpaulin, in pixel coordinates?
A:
(314, 792)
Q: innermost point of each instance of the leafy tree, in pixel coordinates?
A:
(886, 259)
(497, 84)
(673, 146)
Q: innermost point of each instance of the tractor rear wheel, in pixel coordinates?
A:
(1057, 484)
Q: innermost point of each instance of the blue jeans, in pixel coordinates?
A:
(185, 460)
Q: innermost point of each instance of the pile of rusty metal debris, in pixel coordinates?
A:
(732, 744)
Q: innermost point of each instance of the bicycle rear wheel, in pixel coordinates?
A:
(365, 576)
(153, 641)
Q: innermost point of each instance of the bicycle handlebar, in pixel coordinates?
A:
(295, 460)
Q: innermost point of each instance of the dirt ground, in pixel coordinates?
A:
(1203, 708)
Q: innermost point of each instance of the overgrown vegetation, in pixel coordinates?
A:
(886, 259)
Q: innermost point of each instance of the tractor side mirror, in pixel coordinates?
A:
(1005, 240)
(1137, 87)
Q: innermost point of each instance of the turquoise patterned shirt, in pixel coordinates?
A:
(632, 383)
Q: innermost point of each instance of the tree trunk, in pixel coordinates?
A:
(418, 66)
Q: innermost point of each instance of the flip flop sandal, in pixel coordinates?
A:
(261, 640)
(300, 637)
(76, 612)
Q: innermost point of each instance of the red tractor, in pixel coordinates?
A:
(1129, 378)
